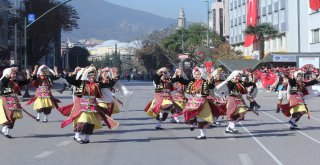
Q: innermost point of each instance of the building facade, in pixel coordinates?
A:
(297, 24)
(4, 54)
(219, 19)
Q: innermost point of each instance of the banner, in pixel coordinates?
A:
(252, 14)
(314, 4)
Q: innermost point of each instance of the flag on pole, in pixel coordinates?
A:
(314, 4)
(252, 14)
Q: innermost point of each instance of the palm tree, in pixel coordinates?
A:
(261, 31)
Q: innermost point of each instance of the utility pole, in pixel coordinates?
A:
(15, 35)
(208, 30)
(26, 26)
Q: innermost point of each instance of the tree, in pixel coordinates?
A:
(226, 52)
(195, 41)
(151, 55)
(43, 32)
(78, 56)
(260, 32)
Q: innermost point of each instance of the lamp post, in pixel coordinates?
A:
(208, 28)
(26, 26)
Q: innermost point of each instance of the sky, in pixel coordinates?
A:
(195, 10)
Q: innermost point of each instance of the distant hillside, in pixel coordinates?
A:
(103, 20)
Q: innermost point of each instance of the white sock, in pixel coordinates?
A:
(77, 135)
(159, 124)
(176, 119)
(293, 119)
(86, 137)
(231, 125)
(203, 132)
(4, 129)
(160, 115)
(45, 118)
(38, 115)
(235, 124)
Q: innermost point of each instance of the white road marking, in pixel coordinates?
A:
(262, 146)
(43, 154)
(245, 159)
(64, 143)
(308, 136)
(314, 118)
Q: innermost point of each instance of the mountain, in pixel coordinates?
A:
(103, 20)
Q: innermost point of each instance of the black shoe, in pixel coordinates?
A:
(192, 128)
(173, 121)
(231, 131)
(78, 140)
(159, 128)
(201, 137)
(257, 107)
(6, 135)
(294, 128)
(37, 119)
(45, 121)
(278, 110)
(293, 124)
(86, 141)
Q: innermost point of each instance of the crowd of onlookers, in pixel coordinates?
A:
(310, 72)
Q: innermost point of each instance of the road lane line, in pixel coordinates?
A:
(314, 118)
(306, 135)
(43, 154)
(245, 159)
(262, 146)
(64, 143)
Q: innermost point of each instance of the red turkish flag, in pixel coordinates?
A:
(314, 4)
(252, 14)
(267, 79)
(208, 65)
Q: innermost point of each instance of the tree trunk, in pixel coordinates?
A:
(261, 47)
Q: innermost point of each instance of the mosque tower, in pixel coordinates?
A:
(181, 19)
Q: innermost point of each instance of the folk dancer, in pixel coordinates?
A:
(162, 104)
(236, 106)
(179, 100)
(198, 111)
(86, 115)
(110, 83)
(44, 101)
(10, 108)
(252, 90)
(296, 107)
(218, 97)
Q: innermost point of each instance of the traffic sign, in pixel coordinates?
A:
(31, 17)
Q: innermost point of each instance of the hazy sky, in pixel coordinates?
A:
(195, 10)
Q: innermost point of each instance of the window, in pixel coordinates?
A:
(315, 36)
(282, 16)
(263, 3)
(275, 19)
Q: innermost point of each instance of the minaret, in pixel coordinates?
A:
(181, 19)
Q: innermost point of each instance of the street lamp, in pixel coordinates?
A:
(26, 26)
(208, 28)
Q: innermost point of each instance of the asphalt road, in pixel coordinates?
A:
(263, 140)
